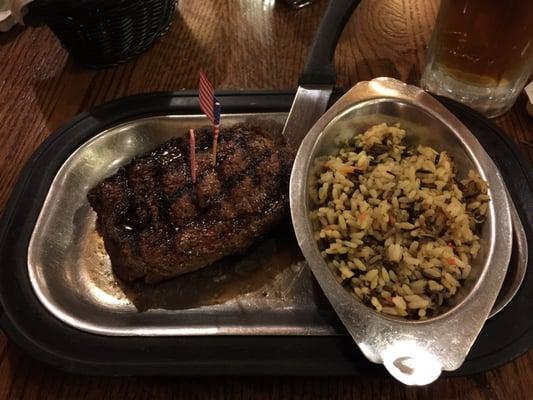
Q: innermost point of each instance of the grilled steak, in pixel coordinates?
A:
(157, 224)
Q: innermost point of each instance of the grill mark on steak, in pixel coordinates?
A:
(127, 218)
(156, 224)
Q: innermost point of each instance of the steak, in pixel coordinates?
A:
(157, 224)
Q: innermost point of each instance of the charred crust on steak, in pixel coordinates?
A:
(157, 224)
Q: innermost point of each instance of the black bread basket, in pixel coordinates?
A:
(104, 33)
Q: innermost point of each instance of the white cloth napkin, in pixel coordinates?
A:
(12, 12)
(529, 93)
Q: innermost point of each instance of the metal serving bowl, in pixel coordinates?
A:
(414, 352)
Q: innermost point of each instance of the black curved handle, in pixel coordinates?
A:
(319, 68)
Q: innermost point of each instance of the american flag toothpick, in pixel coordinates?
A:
(216, 129)
(192, 154)
(211, 108)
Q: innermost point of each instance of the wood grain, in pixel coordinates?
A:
(242, 44)
(23, 378)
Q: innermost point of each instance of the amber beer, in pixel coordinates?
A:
(481, 52)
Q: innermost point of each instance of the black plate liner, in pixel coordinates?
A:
(27, 323)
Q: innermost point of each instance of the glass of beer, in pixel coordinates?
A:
(481, 53)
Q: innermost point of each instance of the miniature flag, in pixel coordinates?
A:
(211, 108)
(206, 95)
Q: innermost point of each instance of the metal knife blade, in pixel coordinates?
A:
(318, 76)
(308, 106)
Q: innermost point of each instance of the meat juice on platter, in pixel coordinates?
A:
(157, 224)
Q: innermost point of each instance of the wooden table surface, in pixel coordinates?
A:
(250, 44)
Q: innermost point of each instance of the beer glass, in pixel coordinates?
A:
(481, 53)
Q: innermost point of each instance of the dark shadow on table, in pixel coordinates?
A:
(75, 88)
(11, 35)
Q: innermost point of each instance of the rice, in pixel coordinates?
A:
(395, 224)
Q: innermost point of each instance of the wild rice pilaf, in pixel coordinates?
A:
(395, 224)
